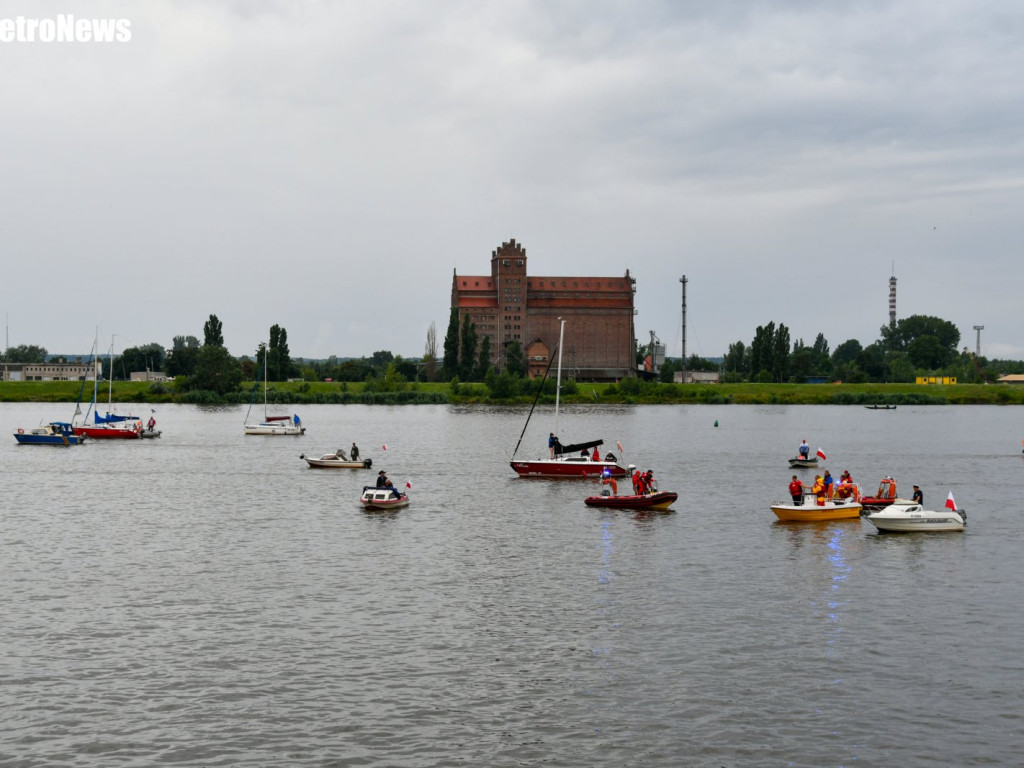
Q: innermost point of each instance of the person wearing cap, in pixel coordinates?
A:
(918, 497)
(382, 479)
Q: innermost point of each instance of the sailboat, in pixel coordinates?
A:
(111, 426)
(271, 425)
(567, 461)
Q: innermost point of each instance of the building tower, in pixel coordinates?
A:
(892, 300)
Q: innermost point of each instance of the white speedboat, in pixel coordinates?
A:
(336, 460)
(905, 517)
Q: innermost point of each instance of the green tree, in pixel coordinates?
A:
(929, 342)
(450, 364)
(483, 361)
(667, 372)
(515, 360)
(780, 353)
(846, 352)
(467, 349)
(146, 358)
(216, 370)
(24, 353)
(736, 359)
(213, 332)
(430, 354)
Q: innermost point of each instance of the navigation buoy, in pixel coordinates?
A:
(716, 422)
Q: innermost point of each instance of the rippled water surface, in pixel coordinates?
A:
(205, 599)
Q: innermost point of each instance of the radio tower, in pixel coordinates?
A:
(682, 360)
(892, 296)
(977, 348)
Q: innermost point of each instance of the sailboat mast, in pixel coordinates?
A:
(264, 382)
(558, 381)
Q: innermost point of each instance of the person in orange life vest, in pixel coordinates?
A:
(597, 455)
(609, 480)
(829, 482)
(818, 489)
(647, 481)
(796, 490)
(636, 482)
(845, 488)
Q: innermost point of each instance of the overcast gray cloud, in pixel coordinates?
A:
(325, 166)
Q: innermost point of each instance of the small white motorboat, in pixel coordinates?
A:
(336, 460)
(905, 517)
(383, 497)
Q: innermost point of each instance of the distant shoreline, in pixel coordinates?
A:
(419, 393)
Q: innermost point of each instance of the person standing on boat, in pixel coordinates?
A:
(796, 490)
(818, 489)
(552, 442)
(636, 481)
(597, 455)
(829, 483)
(354, 453)
(918, 497)
(804, 451)
(296, 420)
(151, 424)
(382, 479)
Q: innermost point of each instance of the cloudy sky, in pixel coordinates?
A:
(325, 166)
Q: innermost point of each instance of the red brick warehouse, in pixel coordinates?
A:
(510, 305)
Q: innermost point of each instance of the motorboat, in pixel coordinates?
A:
(574, 461)
(906, 516)
(880, 407)
(655, 500)
(801, 462)
(383, 497)
(54, 433)
(813, 510)
(336, 460)
(884, 496)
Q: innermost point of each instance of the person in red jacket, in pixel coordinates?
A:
(796, 490)
(637, 482)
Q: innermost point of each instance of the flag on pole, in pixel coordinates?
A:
(950, 503)
(620, 445)
(383, 447)
(821, 455)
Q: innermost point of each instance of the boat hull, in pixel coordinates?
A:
(569, 469)
(270, 428)
(803, 463)
(102, 432)
(330, 461)
(901, 518)
(51, 434)
(813, 513)
(657, 500)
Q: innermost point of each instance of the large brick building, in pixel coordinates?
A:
(510, 305)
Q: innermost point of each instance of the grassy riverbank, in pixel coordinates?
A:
(301, 392)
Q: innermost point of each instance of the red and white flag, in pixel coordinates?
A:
(821, 455)
(408, 485)
(950, 503)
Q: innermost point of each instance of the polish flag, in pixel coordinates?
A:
(821, 455)
(408, 485)
(950, 503)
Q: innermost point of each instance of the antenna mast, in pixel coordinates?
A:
(682, 360)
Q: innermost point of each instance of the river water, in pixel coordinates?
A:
(205, 599)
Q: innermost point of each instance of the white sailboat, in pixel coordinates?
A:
(566, 461)
(271, 425)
